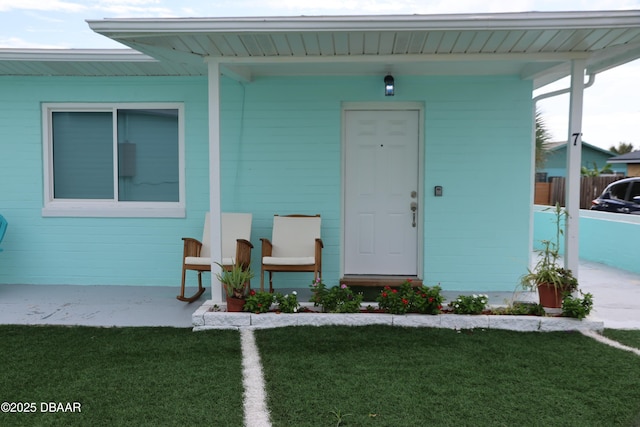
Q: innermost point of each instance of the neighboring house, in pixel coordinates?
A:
(111, 156)
(630, 160)
(592, 157)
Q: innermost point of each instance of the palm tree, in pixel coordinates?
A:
(622, 148)
(542, 139)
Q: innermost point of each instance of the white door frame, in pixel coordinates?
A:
(386, 106)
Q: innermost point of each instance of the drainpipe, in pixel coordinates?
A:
(574, 151)
(588, 84)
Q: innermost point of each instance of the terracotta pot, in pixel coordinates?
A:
(550, 297)
(235, 304)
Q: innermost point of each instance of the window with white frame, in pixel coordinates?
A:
(113, 160)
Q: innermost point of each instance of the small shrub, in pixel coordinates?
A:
(396, 301)
(258, 302)
(577, 307)
(469, 304)
(337, 299)
(287, 303)
(407, 299)
(428, 300)
(520, 309)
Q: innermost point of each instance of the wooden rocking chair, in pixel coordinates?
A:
(295, 246)
(236, 249)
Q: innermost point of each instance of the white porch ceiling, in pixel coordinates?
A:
(538, 46)
(534, 45)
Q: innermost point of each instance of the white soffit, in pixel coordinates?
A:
(534, 45)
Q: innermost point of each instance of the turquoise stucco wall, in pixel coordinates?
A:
(109, 251)
(281, 153)
(605, 237)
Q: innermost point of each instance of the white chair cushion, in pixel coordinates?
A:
(205, 251)
(295, 237)
(303, 260)
(234, 226)
(197, 260)
(207, 260)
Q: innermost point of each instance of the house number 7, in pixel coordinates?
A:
(575, 138)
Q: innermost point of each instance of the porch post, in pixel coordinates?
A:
(574, 161)
(214, 178)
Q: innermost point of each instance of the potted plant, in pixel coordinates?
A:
(550, 279)
(236, 285)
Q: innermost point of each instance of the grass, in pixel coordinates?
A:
(630, 338)
(364, 376)
(124, 376)
(385, 376)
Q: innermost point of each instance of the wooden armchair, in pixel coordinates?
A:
(236, 249)
(295, 246)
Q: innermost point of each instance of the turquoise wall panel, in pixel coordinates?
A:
(478, 148)
(281, 153)
(109, 251)
(607, 238)
(286, 135)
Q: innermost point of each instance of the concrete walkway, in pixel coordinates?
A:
(616, 296)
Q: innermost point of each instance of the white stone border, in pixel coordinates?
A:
(256, 413)
(615, 344)
(204, 319)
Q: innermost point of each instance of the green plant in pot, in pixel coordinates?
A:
(236, 282)
(547, 277)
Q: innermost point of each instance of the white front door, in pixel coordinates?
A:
(381, 192)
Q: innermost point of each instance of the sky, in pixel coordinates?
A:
(611, 105)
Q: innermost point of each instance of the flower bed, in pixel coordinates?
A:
(206, 317)
(404, 306)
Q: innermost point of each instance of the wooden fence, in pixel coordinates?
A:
(590, 188)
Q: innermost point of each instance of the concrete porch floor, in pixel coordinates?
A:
(616, 297)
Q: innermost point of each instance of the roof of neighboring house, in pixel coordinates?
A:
(557, 145)
(85, 62)
(537, 46)
(632, 157)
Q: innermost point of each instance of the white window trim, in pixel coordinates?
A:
(108, 208)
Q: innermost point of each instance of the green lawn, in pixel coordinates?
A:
(385, 376)
(630, 338)
(123, 376)
(370, 376)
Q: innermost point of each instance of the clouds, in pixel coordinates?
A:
(40, 5)
(114, 8)
(611, 111)
(18, 43)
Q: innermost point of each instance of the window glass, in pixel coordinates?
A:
(82, 155)
(148, 155)
(635, 190)
(115, 160)
(619, 191)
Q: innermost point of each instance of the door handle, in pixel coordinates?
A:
(414, 208)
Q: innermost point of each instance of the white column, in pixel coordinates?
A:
(214, 179)
(574, 162)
